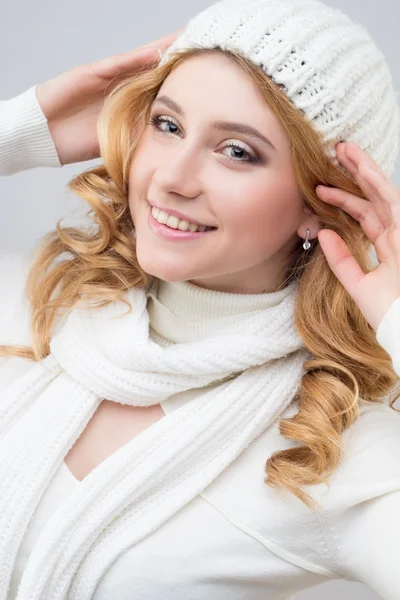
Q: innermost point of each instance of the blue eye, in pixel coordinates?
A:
(157, 119)
(238, 148)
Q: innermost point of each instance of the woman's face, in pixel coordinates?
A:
(217, 175)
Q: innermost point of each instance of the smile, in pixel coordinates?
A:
(176, 223)
(173, 229)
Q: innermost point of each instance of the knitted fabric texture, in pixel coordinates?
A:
(327, 65)
(250, 373)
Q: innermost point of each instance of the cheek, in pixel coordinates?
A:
(267, 206)
(139, 178)
(137, 169)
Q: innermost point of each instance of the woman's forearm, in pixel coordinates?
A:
(25, 140)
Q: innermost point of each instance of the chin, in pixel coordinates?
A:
(164, 272)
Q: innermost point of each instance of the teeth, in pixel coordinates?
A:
(175, 222)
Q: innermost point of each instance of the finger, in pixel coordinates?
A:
(351, 155)
(122, 64)
(137, 57)
(361, 210)
(341, 261)
(386, 191)
(356, 154)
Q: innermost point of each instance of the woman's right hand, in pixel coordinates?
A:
(72, 102)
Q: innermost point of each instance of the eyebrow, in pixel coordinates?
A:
(221, 125)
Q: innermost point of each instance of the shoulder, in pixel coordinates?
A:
(276, 518)
(360, 515)
(369, 466)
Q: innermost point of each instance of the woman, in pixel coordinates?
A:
(224, 320)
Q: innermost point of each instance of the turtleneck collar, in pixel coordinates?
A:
(184, 312)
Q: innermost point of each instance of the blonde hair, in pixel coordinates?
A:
(348, 365)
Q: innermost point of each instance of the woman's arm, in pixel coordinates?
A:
(25, 143)
(388, 336)
(55, 122)
(25, 139)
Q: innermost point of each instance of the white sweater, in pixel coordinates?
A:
(238, 539)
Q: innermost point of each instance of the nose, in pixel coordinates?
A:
(180, 173)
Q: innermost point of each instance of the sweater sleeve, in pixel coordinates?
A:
(25, 139)
(25, 143)
(388, 334)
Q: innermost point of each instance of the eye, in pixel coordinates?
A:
(155, 121)
(238, 147)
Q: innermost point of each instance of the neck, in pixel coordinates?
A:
(181, 311)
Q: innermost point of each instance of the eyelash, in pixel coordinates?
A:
(156, 119)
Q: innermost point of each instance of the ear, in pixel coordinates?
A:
(310, 222)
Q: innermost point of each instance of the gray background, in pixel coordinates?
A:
(40, 39)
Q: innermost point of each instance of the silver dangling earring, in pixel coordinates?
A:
(307, 244)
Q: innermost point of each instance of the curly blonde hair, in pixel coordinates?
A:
(348, 365)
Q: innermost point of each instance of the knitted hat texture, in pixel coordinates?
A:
(327, 65)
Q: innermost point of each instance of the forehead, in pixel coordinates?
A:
(212, 76)
(214, 87)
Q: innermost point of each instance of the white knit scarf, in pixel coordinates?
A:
(149, 479)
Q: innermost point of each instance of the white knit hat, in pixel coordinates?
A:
(329, 66)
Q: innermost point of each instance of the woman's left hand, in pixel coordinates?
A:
(379, 217)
